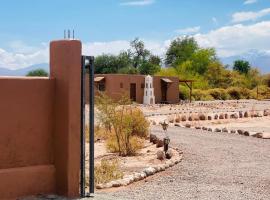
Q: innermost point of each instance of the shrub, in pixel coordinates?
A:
(184, 92)
(126, 124)
(234, 92)
(126, 149)
(139, 124)
(107, 171)
(264, 91)
(201, 95)
(219, 94)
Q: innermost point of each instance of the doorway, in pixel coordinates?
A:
(164, 88)
(133, 91)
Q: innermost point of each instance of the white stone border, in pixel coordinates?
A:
(138, 176)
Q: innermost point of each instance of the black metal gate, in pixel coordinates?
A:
(87, 65)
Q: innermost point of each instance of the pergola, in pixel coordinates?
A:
(189, 84)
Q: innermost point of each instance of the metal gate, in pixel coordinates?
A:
(87, 65)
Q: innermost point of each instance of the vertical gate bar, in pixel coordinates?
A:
(82, 186)
(92, 126)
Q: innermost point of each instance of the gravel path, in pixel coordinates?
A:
(215, 166)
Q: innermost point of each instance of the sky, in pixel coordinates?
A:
(233, 27)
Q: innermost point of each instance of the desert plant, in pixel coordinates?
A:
(107, 170)
(201, 95)
(218, 94)
(124, 122)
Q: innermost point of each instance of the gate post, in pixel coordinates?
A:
(65, 68)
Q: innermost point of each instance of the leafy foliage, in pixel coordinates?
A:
(38, 72)
(241, 66)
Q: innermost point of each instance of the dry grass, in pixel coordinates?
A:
(107, 171)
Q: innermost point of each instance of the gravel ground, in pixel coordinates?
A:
(215, 166)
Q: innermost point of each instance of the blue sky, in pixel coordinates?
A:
(233, 27)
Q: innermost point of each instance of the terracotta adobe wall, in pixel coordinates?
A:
(113, 89)
(40, 128)
(26, 158)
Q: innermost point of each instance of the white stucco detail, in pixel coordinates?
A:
(149, 97)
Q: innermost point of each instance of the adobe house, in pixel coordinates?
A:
(165, 89)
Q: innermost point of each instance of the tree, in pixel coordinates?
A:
(106, 64)
(38, 72)
(242, 66)
(181, 50)
(138, 52)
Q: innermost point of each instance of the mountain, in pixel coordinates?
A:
(23, 71)
(258, 59)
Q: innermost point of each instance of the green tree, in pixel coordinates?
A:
(241, 66)
(138, 52)
(106, 64)
(181, 50)
(38, 72)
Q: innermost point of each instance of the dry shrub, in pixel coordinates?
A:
(107, 171)
(126, 149)
(219, 94)
(127, 125)
(100, 133)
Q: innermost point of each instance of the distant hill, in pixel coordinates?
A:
(256, 59)
(23, 71)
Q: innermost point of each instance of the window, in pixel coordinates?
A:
(101, 87)
(121, 85)
(142, 85)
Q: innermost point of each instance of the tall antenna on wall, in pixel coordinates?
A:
(67, 34)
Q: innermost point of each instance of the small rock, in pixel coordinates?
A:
(209, 117)
(225, 130)
(210, 129)
(246, 114)
(198, 127)
(221, 116)
(202, 117)
(188, 125)
(169, 154)
(246, 133)
(160, 155)
(218, 130)
(233, 131)
(204, 128)
(240, 132)
(153, 138)
(159, 143)
(149, 171)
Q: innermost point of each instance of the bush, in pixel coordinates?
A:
(139, 124)
(264, 91)
(107, 171)
(126, 149)
(219, 94)
(234, 92)
(184, 92)
(201, 95)
(127, 125)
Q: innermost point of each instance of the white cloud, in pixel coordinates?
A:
(189, 30)
(23, 55)
(250, 2)
(249, 16)
(237, 39)
(137, 3)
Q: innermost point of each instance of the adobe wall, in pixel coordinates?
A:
(40, 128)
(26, 140)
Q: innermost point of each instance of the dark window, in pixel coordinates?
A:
(121, 85)
(142, 85)
(101, 87)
